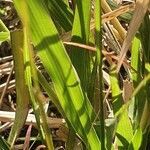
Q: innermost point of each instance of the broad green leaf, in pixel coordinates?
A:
(80, 34)
(58, 65)
(136, 140)
(110, 131)
(140, 65)
(124, 131)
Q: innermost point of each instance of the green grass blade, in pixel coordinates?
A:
(32, 79)
(141, 84)
(21, 89)
(145, 40)
(124, 134)
(145, 37)
(4, 145)
(55, 100)
(61, 13)
(98, 45)
(3, 27)
(50, 91)
(110, 131)
(4, 36)
(4, 32)
(117, 99)
(80, 34)
(57, 63)
(136, 77)
(124, 130)
(135, 61)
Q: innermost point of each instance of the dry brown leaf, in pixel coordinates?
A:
(140, 10)
(127, 90)
(117, 12)
(113, 14)
(115, 22)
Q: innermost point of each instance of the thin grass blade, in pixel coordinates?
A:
(21, 88)
(4, 32)
(31, 78)
(98, 44)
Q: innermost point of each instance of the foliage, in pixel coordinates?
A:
(115, 119)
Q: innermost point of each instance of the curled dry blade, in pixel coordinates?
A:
(140, 10)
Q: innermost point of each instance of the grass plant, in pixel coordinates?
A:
(100, 112)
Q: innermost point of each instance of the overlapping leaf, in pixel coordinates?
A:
(58, 65)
